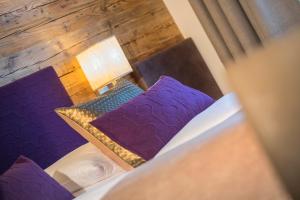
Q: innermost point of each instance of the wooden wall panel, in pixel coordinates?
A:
(38, 33)
(9, 6)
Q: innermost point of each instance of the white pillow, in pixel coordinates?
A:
(218, 112)
(82, 167)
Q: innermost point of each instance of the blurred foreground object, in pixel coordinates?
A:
(227, 165)
(268, 85)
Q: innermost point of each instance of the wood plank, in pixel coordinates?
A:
(131, 30)
(17, 75)
(8, 6)
(42, 32)
(151, 43)
(21, 21)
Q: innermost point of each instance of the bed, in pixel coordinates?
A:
(28, 106)
(225, 113)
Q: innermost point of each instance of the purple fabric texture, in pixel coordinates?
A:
(25, 180)
(28, 124)
(145, 124)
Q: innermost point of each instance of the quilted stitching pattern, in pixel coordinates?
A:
(114, 98)
(25, 180)
(28, 124)
(145, 124)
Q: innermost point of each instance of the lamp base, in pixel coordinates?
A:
(106, 88)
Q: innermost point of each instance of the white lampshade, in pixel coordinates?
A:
(104, 62)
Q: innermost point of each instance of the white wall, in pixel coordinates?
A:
(189, 25)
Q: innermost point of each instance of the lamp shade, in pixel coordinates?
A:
(104, 62)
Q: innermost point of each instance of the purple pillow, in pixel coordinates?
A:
(26, 180)
(145, 124)
(29, 125)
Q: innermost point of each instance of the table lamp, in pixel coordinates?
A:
(103, 64)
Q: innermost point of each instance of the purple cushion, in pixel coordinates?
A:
(145, 124)
(26, 180)
(28, 124)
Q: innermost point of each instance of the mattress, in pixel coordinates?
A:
(223, 114)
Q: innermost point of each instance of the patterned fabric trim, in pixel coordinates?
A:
(83, 114)
(114, 98)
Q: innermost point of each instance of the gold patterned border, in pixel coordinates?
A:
(83, 118)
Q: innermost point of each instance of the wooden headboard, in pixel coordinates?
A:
(182, 62)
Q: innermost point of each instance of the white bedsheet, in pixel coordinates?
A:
(217, 113)
(83, 167)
